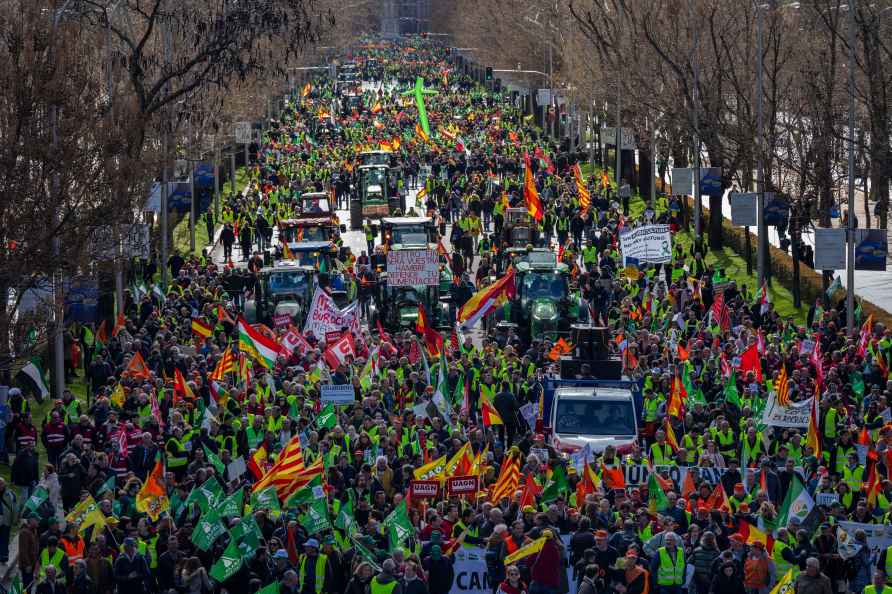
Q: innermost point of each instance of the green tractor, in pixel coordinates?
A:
(547, 304)
(284, 289)
(397, 306)
(376, 197)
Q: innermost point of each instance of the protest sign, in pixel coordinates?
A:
(879, 536)
(337, 393)
(826, 499)
(648, 243)
(462, 485)
(795, 415)
(325, 316)
(407, 268)
(424, 489)
(281, 320)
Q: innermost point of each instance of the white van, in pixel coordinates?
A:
(593, 415)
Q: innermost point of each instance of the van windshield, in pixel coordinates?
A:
(594, 417)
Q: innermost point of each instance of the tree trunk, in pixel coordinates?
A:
(645, 172)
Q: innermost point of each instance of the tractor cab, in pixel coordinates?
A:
(284, 289)
(376, 158)
(408, 231)
(315, 204)
(544, 307)
(397, 306)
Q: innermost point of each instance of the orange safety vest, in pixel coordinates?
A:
(755, 573)
(74, 551)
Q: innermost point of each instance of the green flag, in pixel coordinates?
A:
(398, 525)
(16, 586)
(797, 503)
(365, 554)
(327, 418)
(858, 384)
(228, 563)
(316, 519)
(37, 498)
(308, 493)
(215, 460)
(656, 497)
(108, 485)
(232, 505)
(558, 484)
(247, 534)
(208, 529)
(209, 494)
(731, 394)
(345, 520)
(273, 588)
(266, 499)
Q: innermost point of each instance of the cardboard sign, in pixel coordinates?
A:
(462, 485)
(407, 268)
(424, 489)
(827, 499)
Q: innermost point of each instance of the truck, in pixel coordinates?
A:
(597, 413)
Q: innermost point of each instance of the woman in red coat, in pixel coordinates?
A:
(512, 584)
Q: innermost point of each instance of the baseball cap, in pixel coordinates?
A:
(312, 542)
(281, 554)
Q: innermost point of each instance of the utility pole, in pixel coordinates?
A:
(165, 172)
(619, 125)
(761, 236)
(698, 231)
(850, 233)
(551, 100)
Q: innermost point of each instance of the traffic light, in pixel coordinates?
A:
(489, 73)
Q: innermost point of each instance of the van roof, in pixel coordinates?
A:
(601, 393)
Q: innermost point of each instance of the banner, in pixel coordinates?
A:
(471, 576)
(325, 316)
(424, 489)
(408, 268)
(648, 243)
(795, 415)
(337, 393)
(878, 535)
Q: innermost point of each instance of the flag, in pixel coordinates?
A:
(102, 333)
(306, 90)
(585, 199)
(785, 585)
(35, 374)
(864, 339)
(797, 503)
(813, 436)
(589, 483)
(720, 313)
(556, 486)
(201, 329)
(670, 434)
(398, 525)
(433, 341)
(256, 462)
(290, 463)
(431, 470)
(489, 413)
(675, 407)
(656, 497)
(308, 493)
(301, 479)
(259, 347)
(420, 133)
(37, 498)
(337, 352)
(873, 486)
(180, 387)
(152, 497)
(764, 299)
(316, 519)
(120, 324)
(509, 477)
(782, 387)
(530, 194)
(225, 365)
(525, 551)
(752, 535)
(461, 462)
(682, 353)
(540, 154)
(530, 491)
(749, 361)
(486, 299)
(228, 563)
(376, 108)
(215, 460)
(94, 519)
(613, 477)
(718, 499)
(730, 390)
(137, 367)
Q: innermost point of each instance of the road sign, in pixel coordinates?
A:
(683, 181)
(543, 96)
(242, 132)
(830, 249)
(743, 209)
(608, 137)
(135, 240)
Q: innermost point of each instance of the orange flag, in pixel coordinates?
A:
(137, 367)
(530, 490)
(530, 194)
(613, 477)
(682, 353)
(120, 324)
(180, 387)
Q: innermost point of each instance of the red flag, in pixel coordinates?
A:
(337, 353)
(613, 478)
(256, 462)
(682, 353)
(720, 313)
(432, 339)
(718, 499)
(530, 490)
(530, 194)
(749, 361)
(180, 387)
(137, 367)
(120, 324)
(540, 154)
(689, 489)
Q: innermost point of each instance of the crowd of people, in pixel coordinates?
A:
(195, 464)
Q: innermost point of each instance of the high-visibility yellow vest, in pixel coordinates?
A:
(254, 437)
(888, 567)
(671, 574)
(321, 560)
(378, 588)
(661, 454)
(181, 458)
(853, 478)
(651, 409)
(871, 589)
(781, 565)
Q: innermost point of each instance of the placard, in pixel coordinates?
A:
(830, 249)
(332, 337)
(648, 243)
(281, 320)
(530, 413)
(237, 468)
(608, 137)
(337, 393)
(325, 316)
(541, 454)
(826, 499)
(424, 489)
(879, 536)
(795, 415)
(407, 268)
(744, 209)
(710, 181)
(462, 485)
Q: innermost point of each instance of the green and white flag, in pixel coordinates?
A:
(316, 519)
(207, 531)
(398, 525)
(797, 503)
(266, 499)
(232, 505)
(108, 485)
(327, 418)
(365, 554)
(209, 494)
(37, 498)
(16, 586)
(273, 588)
(309, 493)
(345, 520)
(228, 563)
(35, 374)
(214, 459)
(247, 534)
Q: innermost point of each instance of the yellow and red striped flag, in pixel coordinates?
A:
(489, 413)
(530, 194)
(509, 478)
(585, 199)
(201, 329)
(289, 464)
(782, 387)
(225, 365)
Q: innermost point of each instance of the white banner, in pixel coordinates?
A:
(795, 415)
(407, 268)
(337, 393)
(879, 536)
(648, 243)
(471, 576)
(324, 316)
